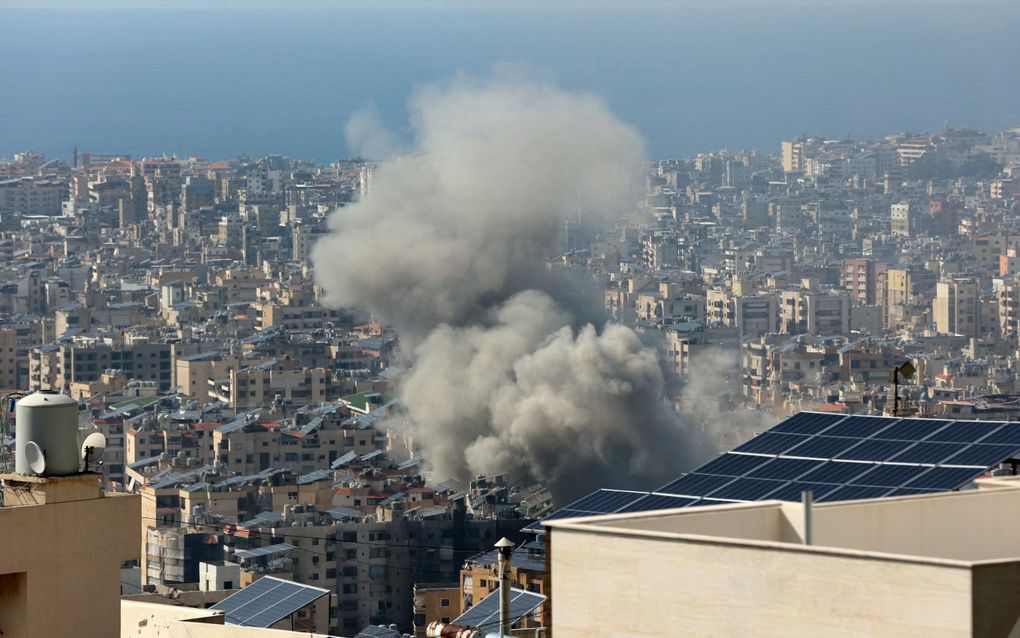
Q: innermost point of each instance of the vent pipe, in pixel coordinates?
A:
(505, 548)
(806, 504)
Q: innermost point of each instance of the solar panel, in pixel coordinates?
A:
(836, 457)
(965, 431)
(747, 489)
(822, 447)
(485, 614)
(784, 469)
(772, 443)
(658, 502)
(983, 455)
(696, 484)
(794, 490)
(854, 492)
(264, 551)
(704, 502)
(911, 491)
(875, 450)
(1007, 434)
(890, 475)
(314, 477)
(267, 601)
(859, 426)
(567, 513)
(911, 429)
(925, 452)
(836, 472)
(946, 478)
(808, 423)
(733, 464)
(605, 501)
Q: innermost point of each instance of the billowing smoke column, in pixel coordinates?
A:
(450, 247)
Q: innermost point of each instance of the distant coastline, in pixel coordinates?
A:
(220, 83)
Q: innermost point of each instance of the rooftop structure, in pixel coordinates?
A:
(944, 564)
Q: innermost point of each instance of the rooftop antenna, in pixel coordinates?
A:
(92, 449)
(35, 457)
(907, 371)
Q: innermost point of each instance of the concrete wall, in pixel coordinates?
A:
(972, 526)
(763, 522)
(996, 610)
(152, 620)
(617, 585)
(72, 553)
(938, 526)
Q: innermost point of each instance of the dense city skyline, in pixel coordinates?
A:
(326, 319)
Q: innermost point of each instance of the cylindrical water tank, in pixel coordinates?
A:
(51, 421)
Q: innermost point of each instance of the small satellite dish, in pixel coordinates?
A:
(36, 457)
(92, 449)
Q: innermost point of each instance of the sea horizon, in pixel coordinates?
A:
(692, 79)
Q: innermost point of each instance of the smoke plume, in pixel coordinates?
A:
(368, 137)
(450, 246)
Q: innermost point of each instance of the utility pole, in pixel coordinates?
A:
(505, 548)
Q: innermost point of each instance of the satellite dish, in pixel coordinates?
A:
(92, 449)
(36, 457)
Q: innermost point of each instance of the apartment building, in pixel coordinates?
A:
(905, 289)
(57, 366)
(956, 308)
(862, 278)
(369, 563)
(479, 578)
(814, 312)
(248, 445)
(685, 341)
(904, 219)
(194, 372)
(32, 195)
(239, 284)
(275, 382)
(17, 337)
(295, 317)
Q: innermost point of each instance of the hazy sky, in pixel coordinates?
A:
(440, 4)
(696, 76)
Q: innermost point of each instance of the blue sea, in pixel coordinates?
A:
(218, 84)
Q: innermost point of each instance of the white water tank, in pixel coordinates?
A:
(50, 420)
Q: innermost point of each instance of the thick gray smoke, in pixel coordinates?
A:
(450, 247)
(468, 220)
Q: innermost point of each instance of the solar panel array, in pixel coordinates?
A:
(835, 456)
(264, 551)
(267, 601)
(485, 615)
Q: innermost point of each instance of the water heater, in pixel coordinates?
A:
(46, 435)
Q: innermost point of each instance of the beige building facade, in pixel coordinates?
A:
(936, 565)
(63, 544)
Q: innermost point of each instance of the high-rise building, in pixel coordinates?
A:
(793, 156)
(861, 278)
(955, 308)
(903, 221)
(814, 313)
